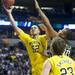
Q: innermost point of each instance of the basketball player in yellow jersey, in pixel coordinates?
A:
(35, 50)
(35, 44)
(58, 64)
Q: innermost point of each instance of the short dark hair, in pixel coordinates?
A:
(58, 45)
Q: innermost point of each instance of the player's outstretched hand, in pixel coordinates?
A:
(8, 10)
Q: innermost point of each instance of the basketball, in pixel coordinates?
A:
(8, 3)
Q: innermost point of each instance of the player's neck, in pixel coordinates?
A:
(34, 36)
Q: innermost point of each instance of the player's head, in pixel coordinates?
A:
(34, 30)
(64, 33)
(58, 45)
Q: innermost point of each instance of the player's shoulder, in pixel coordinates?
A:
(42, 36)
(54, 57)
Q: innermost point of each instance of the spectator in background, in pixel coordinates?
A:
(5, 40)
(58, 64)
(5, 43)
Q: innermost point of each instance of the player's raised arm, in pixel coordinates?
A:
(46, 21)
(13, 22)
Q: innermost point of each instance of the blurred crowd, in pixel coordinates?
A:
(14, 59)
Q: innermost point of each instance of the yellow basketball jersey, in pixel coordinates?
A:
(35, 48)
(62, 65)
